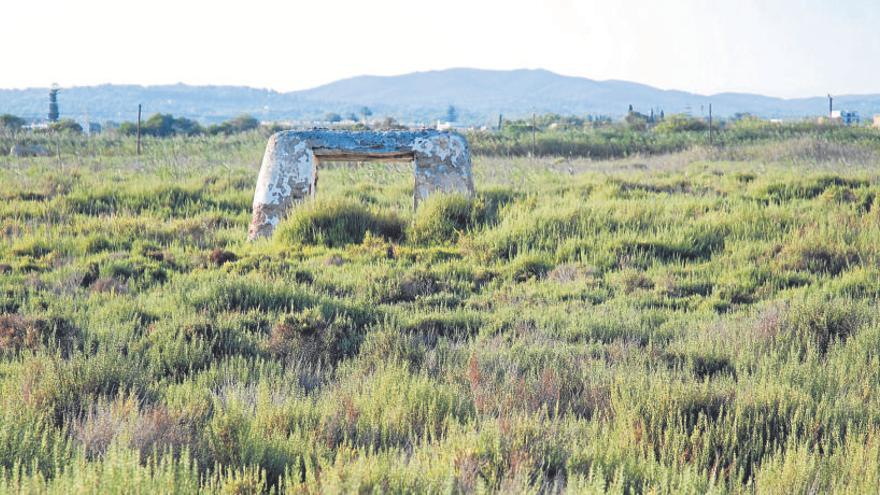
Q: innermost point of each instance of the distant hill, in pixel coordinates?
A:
(478, 95)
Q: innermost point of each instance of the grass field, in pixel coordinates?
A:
(704, 321)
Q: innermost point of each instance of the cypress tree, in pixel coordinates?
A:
(53, 103)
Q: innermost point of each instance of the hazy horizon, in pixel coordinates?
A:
(184, 83)
(781, 48)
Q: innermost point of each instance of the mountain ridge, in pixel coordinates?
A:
(479, 95)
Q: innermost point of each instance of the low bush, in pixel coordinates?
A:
(817, 321)
(314, 336)
(18, 333)
(815, 255)
(441, 218)
(526, 267)
(337, 222)
(807, 188)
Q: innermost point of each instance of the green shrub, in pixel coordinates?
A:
(239, 293)
(35, 248)
(527, 267)
(817, 256)
(807, 188)
(337, 223)
(410, 287)
(441, 218)
(444, 323)
(96, 243)
(312, 335)
(819, 321)
(19, 333)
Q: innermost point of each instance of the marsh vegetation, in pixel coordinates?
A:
(704, 320)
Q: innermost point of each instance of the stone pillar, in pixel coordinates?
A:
(286, 175)
(442, 164)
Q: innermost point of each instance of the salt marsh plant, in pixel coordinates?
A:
(704, 321)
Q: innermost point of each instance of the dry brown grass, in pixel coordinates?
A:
(18, 333)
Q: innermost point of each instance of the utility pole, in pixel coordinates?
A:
(500, 121)
(830, 106)
(139, 131)
(710, 123)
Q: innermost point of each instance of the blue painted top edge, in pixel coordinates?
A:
(376, 141)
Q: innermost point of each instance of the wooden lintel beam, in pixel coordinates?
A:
(362, 156)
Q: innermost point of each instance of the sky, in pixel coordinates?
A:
(786, 48)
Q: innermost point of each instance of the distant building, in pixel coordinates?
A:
(877, 121)
(845, 117)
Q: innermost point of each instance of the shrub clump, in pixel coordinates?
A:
(630, 280)
(335, 223)
(413, 286)
(219, 257)
(527, 267)
(818, 256)
(823, 321)
(19, 333)
(312, 335)
(16, 334)
(808, 188)
(442, 218)
(814, 321)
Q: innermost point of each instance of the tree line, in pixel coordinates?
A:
(157, 125)
(164, 125)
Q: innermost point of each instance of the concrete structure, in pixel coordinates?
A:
(289, 173)
(845, 117)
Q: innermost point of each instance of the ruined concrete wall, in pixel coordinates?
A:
(442, 164)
